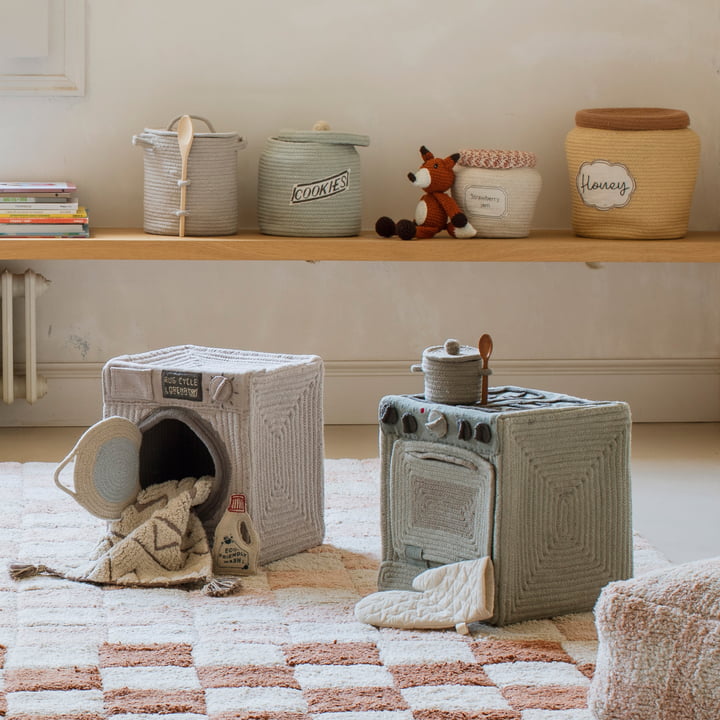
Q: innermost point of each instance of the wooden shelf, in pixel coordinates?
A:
(541, 246)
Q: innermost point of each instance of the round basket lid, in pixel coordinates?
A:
(497, 159)
(324, 137)
(106, 476)
(451, 351)
(632, 118)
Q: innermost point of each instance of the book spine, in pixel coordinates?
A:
(42, 208)
(79, 234)
(55, 219)
(27, 188)
(49, 197)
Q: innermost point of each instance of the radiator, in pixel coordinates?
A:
(28, 285)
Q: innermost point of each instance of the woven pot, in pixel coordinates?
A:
(453, 373)
(632, 172)
(211, 206)
(309, 184)
(497, 190)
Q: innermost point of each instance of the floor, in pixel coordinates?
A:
(675, 475)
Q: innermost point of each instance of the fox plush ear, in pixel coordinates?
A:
(454, 157)
(426, 154)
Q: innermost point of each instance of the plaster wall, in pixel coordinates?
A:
(464, 73)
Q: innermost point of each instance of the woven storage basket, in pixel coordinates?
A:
(452, 372)
(212, 186)
(632, 172)
(497, 190)
(309, 184)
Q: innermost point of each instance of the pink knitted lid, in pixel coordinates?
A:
(497, 159)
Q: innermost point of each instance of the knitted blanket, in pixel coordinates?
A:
(158, 541)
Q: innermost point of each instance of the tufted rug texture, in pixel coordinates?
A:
(285, 647)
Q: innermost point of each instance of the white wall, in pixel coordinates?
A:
(464, 73)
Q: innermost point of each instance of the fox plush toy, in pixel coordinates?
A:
(436, 210)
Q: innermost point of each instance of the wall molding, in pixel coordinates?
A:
(683, 390)
(62, 71)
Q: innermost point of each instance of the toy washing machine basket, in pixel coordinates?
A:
(253, 421)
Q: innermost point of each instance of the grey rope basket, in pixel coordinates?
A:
(212, 182)
(309, 184)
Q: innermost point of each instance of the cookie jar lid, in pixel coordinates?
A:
(321, 133)
(451, 351)
(497, 159)
(632, 118)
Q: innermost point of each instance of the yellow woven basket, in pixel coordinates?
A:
(632, 172)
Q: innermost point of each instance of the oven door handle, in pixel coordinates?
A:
(416, 555)
(445, 458)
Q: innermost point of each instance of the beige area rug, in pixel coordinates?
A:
(287, 647)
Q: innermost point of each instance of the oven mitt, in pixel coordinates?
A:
(447, 596)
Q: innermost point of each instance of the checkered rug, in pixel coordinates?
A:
(287, 647)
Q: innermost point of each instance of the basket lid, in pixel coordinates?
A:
(497, 159)
(106, 474)
(632, 118)
(451, 351)
(321, 133)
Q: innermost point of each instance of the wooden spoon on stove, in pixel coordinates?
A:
(185, 141)
(485, 346)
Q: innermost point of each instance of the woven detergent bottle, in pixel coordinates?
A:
(236, 544)
(632, 172)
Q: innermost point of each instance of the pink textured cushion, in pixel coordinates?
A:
(659, 650)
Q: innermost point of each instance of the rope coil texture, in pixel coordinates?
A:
(270, 430)
(328, 173)
(212, 185)
(549, 500)
(663, 165)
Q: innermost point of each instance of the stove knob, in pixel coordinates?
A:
(464, 430)
(437, 424)
(483, 433)
(388, 414)
(221, 389)
(409, 423)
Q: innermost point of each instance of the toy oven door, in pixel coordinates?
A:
(441, 501)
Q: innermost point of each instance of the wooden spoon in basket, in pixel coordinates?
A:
(185, 141)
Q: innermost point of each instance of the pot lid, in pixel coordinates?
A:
(106, 476)
(321, 133)
(632, 118)
(451, 351)
(497, 159)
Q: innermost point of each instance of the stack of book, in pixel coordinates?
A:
(41, 209)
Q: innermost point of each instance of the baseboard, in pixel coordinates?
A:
(685, 390)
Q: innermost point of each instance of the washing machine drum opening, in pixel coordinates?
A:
(173, 448)
(170, 450)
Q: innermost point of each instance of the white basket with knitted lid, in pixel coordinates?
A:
(497, 190)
